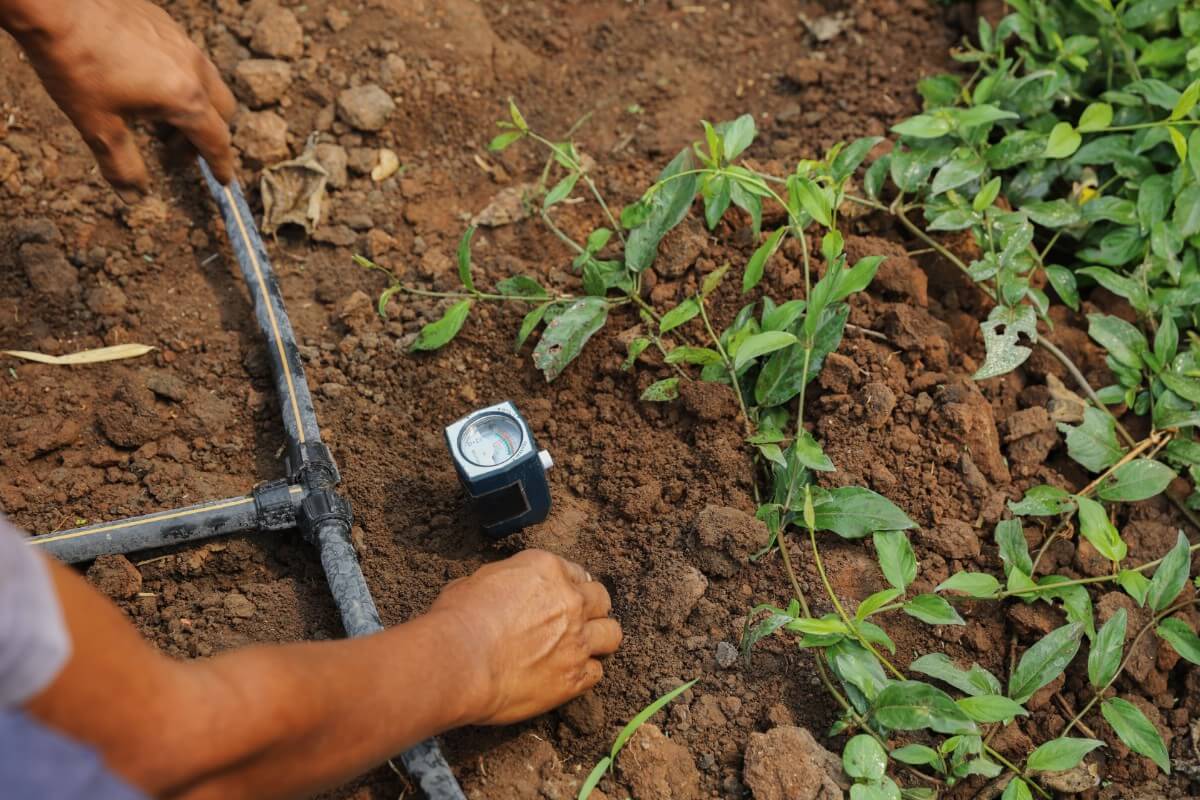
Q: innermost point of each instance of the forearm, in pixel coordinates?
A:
(263, 722)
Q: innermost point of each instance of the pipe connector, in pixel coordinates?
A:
(320, 507)
(275, 505)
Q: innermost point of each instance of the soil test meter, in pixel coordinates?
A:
(498, 461)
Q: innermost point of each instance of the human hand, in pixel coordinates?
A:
(105, 60)
(535, 624)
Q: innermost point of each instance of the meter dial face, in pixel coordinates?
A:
(491, 440)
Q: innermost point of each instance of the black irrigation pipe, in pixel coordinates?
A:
(307, 499)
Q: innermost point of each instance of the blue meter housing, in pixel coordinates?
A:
(499, 464)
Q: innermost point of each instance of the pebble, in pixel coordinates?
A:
(261, 136)
(366, 107)
(262, 81)
(727, 655)
(278, 34)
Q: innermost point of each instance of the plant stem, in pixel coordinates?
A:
(1078, 581)
(554, 298)
(747, 426)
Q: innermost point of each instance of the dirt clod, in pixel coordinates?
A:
(278, 34)
(655, 766)
(726, 537)
(262, 81)
(787, 763)
(366, 108)
(261, 136)
(116, 576)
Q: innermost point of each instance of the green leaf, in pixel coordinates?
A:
(1093, 443)
(808, 452)
(913, 705)
(712, 280)
(875, 602)
(972, 584)
(856, 666)
(1096, 117)
(934, 610)
(567, 333)
(1135, 584)
(503, 140)
(1045, 661)
(1063, 142)
(668, 205)
(634, 214)
(1144, 12)
(645, 714)
(987, 195)
(923, 126)
(701, 356)
(737, 135)
(1014, 550)
(782, 376)
(975, 681)
(1182, 638)
(1123, 341)
(1061, 754)
(864, 758)
(464, 259)
(961, 169)
(896, 558)
(1001, 337)
(991, 708)
(561, 190)
(1170, 576)
(1097, 528)
(851, 156)
(1137, 732)
(1063, 281)
(1043, 501)
(758, 261)
(518, 119)
(1104, 658)
(1187, 101)
(1053, 213)
(919, 755)
(678, 315)
(1017, 789)
(1166, 339)
(438, 333)
(662, 391)
(853, 512)
(594, 777)
(1136, 480)
(522, 286)
(812, 199)
(635, 348)
(760, 344)
(530, 322)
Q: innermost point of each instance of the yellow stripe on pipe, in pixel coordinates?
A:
(287, 372)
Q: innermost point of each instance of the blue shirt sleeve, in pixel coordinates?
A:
(34, 643)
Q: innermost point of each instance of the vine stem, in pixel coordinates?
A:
(1076, 582)
(587, 180)
(737, 389)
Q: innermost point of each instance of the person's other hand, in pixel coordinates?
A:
(104, 61)
(535, 625)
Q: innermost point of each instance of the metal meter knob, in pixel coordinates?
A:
(499, 464)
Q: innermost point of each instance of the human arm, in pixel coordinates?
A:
(513, 640)
(104, 61)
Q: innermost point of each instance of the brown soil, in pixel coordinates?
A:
(654, 499)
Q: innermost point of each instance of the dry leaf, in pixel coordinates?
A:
(294, 191)
(95, 356)
(388, 165)
(1063, 405)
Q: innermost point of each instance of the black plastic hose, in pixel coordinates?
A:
(324, 516)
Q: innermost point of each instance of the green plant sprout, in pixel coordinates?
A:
(1071, 157)
(607, 763)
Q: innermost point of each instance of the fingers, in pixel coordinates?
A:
(593, 672)
(603, 636)
(596, 602)
(218, 93)
(576, 573)
(113, 145)
(209, 134)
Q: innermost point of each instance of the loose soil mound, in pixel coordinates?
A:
(656, 500)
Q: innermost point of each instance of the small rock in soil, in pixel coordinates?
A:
(725, 538)
(679, 249)
(116, 576)
(278, 34)
(366, 108)
(238, 605)
(727, 655)
(262, 81)
(337, 19)
(1026, 423)
(787, 763)
(333, 158)
(167, 384)
(952, 539)
(878, 401)
(10, 162)
(1072, 781)
(654, 766)
(261, 136)
(48, 270)
(682, 586)
(107, 300)
(967, 417)
(839, 374)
